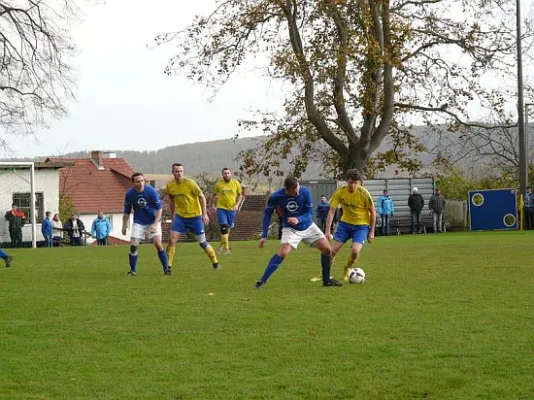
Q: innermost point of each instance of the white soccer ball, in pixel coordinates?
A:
(356, 275)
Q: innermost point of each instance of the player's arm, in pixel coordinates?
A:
(372, 214)
(267, 214)
(203, 207)
(126, 215)
(238, 201)
(213, 202)
(334, 202)
(307, 213)
(329, 220)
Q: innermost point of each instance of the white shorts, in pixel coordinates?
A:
(293, 237)
(141, 231)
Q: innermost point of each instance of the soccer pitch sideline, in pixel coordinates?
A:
(440, 316)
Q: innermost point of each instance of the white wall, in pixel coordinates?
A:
(46, 182)
(116, 225)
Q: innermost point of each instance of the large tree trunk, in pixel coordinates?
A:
(356, 159)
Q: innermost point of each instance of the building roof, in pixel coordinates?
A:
(94, 189)
(38, 165)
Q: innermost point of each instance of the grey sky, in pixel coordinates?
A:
(125, 101)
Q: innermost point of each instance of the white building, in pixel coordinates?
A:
(16, 188)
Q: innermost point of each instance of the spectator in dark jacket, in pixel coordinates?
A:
(437, 206)
(322, 213)
(529, 209)
(416, 204)
(46, 229)
(16, 220)
(75, 229)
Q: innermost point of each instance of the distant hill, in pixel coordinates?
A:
(211, 157)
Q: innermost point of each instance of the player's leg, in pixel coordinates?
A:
(289, 240)
(342, 235)
(156, 239)
(7, 259)
(316, 238)
(138, 234)
(359, 236)
(196, 225)
(230, 219)
(178, 228)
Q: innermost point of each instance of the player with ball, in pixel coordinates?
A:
(357, 223)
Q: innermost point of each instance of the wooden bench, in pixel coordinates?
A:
(402, 223)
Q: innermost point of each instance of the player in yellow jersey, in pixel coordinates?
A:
(228, 194)
(358, 219)
(188, 206)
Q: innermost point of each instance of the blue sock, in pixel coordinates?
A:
(273, 265)
(163, 258)
(3, 255)
(133, 261)
(326, 262)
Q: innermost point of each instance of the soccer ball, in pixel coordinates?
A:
(356, 275)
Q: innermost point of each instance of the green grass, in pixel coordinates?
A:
(440, 316)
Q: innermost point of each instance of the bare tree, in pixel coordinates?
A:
(359, 70)
(36, 79)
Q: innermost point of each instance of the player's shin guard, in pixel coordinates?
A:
(326, 263)
(171, 248)
(350, 261)
(209, 251)
(132, 258)
(273, 265)
(163, 258)
(224, 241)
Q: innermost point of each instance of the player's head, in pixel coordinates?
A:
(178, 171)
(323, 198)
(291, 184)
(100, 214)
(226, 174)
(138, 180)
(353, 179)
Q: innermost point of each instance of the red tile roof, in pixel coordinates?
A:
(92, 189)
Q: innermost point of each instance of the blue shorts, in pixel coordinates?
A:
(345, 231)
(181, 225)
(226, 217)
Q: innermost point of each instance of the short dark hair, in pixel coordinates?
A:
(176, 165)
(48, 213)
(225, 169)
(385, 190)
(353, 175)
(323, 195)
(291, 182)
(136, 174)
(14, 204)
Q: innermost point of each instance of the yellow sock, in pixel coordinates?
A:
(224, 241)
(228, 240)
(211, 254)
(170, 253)
(350, 262)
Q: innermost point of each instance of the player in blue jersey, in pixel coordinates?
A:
(7, 259)
(297, 225)
(145, 202)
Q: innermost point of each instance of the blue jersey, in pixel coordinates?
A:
(145, 205)
(299, 206)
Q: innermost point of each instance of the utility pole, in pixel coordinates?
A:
(523, 164)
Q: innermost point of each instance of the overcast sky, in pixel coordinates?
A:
(125, 101)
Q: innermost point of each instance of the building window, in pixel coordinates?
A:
(22, 200)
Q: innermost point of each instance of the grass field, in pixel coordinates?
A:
(440, 316)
